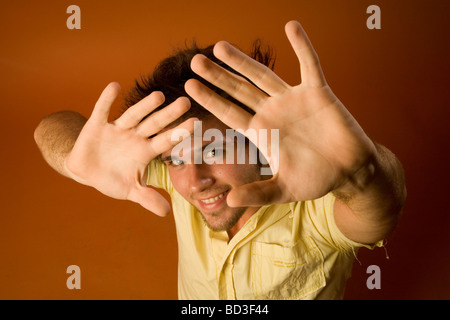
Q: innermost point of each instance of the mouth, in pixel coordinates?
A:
(213, 203)
(213, 199)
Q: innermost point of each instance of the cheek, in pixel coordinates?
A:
(239, 174)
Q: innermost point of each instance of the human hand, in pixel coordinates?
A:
(321, 146)
(113, 156)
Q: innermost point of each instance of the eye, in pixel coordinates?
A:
(211, 154)
(214, 153)
(173, 162)
(176, 162)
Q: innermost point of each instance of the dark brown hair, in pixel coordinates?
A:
(171, 74)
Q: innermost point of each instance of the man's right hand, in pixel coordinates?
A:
(113, 156)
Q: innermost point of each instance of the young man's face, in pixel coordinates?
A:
(206, 186)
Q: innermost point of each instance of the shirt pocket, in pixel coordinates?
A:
(286, 272)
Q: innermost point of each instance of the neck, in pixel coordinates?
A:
(241, 222)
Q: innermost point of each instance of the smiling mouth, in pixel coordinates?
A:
(213, 199)
(209, 203)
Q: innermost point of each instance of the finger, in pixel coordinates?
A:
(151, 200)
(103, 105)
(232, 115)
(234, 85)
(259, 74)
(133, 115)
(166, 140)
(254, 194)
(309, 61)
(160, 119)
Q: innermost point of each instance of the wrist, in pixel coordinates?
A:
(380, 182)
(360, 179)
(68, 173)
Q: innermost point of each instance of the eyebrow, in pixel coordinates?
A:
(167, 158)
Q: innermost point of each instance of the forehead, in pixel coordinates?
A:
(199, 133)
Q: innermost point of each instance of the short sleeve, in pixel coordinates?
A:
(321, 213)
(158, 176)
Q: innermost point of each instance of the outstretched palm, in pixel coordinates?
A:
(113, 156)
(320, 144)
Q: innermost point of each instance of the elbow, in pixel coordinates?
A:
(39, 133)
(401, 191)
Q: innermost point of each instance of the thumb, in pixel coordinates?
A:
(255, 194)
(151, 200)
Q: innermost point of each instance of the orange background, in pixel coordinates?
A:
(393, 80)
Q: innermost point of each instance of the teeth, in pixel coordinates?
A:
(211, 200)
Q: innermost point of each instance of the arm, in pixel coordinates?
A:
(368, 205)
(113, 157)
(322, 148)
(56, 135)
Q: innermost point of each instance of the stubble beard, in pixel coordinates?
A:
(219, 221)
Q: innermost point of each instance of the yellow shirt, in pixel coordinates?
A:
(287, 251)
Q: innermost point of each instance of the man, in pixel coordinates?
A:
(241, 234)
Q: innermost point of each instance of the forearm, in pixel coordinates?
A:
(377, 192)
(56, 135)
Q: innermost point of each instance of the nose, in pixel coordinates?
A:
(200, 177)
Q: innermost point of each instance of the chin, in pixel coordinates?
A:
(221, 221)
